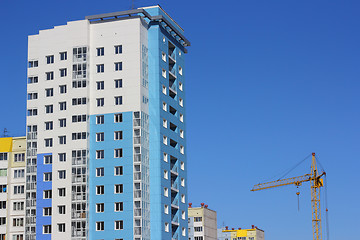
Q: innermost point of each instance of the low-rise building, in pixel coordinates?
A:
(12, 187)
(202, 223)
(240, 234)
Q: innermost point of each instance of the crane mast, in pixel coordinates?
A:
(316, 183)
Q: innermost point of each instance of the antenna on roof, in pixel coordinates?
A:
(132, 4)
(5, 131)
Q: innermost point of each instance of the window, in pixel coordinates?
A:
(2, 205)
(48, 159)
(100, 51)
(100, 137)
(100, 172)
(180, 70)
(163, 73)
(182, 165)
(164, 89)
(183, 231)
(166, 209)
(118, 153)
(3, 172)
(198, 229)
(118, 170)
(3, 188)
(32, 112)
(62, 89)
(181, 118)
(180, 86)
(62, 106)
(100, 154)
(118, 66)
(166, 227)
(100, 119)
(19, 173)
(49, 92)
(19, 157)
(49, 75)
(181, 133)
(163, 56)
(99, 226)
(62, 157)
(48, 125)
(119, 207)
(48, 142)
(119, 225)
(63, 72)
(197, 219)
(19, 189)
(18, 206)
(100, 102)
(61, 227)
(182, 198)
(32, 96)
(18, 222)
(118, 100)
(166, 192)
(46, 229)
(118, 118)
(33, 64)
(182, 150)
(166, 174)
(181, 102)
(47, 194)
(62, 174)
(3, 221)
(100, 85)
(50, 59)
(63, 56)
(165, 140)
(3, 156)
(165, 157)
(100, 68)
(118, 83)
(79, 101)
(164, 106)
(183, 182)
(62, 140)
(47, 177)
(79, 118)
(47, 211)
(118, 49)
(183, 215)
(164, 123)
(100, 207)
(34, 79)
(118, 135)
(61, 192)
(49, 108)
(62, 122)
(100, 190)
(118, 188)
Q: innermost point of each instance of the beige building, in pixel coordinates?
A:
(12, 188)
(202, 223)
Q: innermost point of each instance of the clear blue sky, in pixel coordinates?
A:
(268, 82)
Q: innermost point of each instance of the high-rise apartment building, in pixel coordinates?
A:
(202, 223)
(106, 125)
(12, 188)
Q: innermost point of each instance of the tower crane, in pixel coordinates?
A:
(315, 178)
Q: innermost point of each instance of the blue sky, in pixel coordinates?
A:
(268, 82)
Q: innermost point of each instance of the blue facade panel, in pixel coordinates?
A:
(109, 216)
(40, 201)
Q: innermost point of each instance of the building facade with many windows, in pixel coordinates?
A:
(12, 187)
(106, 129)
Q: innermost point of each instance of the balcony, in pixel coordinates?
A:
(79, 161)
